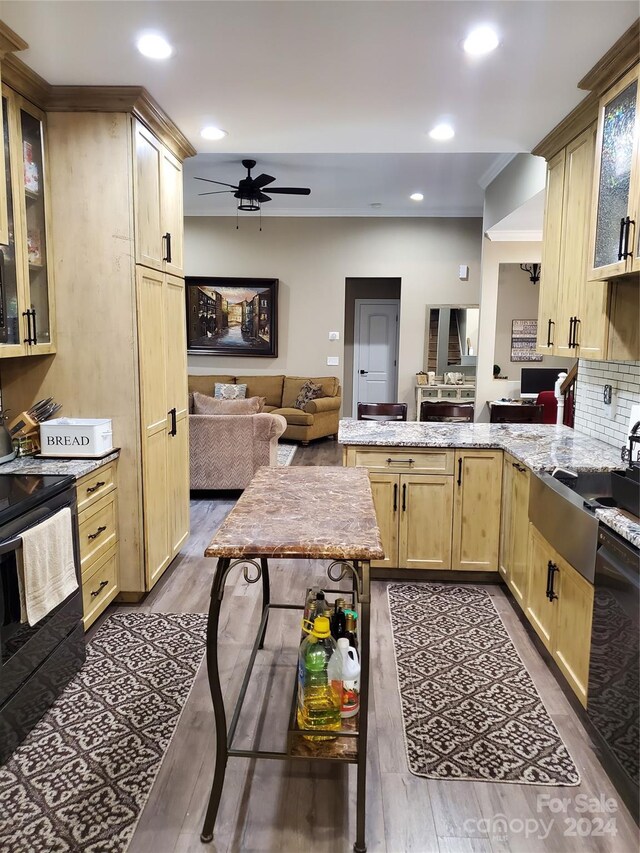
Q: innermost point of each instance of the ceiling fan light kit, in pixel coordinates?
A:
(249, 190)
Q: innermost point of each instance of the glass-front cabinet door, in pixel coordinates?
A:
(614, 225)
(25, 303)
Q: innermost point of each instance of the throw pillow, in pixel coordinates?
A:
(309, 391)
(229, 392)
(203, 405)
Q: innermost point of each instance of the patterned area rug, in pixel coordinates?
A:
(469, 707)
(82, 777)
(286, 452)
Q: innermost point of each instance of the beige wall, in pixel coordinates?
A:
(517, 300)
(519, 181)
(312, 258)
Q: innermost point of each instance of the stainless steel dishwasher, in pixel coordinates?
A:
(614, 689)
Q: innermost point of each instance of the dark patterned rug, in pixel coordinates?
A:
(81, 778)
(470, 709)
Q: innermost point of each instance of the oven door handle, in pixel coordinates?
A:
(10, 545)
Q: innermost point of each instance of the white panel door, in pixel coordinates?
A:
(375, 351)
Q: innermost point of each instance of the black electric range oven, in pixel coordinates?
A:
(37, 662)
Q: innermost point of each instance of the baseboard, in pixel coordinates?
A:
(384, 574)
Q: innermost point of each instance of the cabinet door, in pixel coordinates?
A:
(540, 611)
(148, 156)
(572, 637)
(506, 524)
(172, 215)
(176, 398)
(386, 491)
(4, 167)
(552, 241)
(152, 349)
(519, 568)
(476, 513)
(425, 521)
(616, 150)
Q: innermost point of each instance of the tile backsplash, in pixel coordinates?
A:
(592, 417)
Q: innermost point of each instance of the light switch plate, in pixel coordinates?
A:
(463, 272)
(333, 360)
(334, 336)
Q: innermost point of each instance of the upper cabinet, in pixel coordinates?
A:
(158, 203)
(615, 233)
(26, 304)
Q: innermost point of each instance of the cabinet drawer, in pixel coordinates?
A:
(97, 528)
(99, 586)
(95, 486)
(404, 460)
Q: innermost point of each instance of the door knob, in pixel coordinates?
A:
(363, 372)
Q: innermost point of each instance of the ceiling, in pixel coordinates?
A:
(326, 78)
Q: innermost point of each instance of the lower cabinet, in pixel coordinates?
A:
(98, 537)
(559, 606)
(432, 516)
(514, 527)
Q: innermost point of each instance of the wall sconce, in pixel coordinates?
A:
(533, 271)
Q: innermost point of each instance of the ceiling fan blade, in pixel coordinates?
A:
(216, 192)
(262, 180)
(291, 190)
(263, 197)
(222, 183)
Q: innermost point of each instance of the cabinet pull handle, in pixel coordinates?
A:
(460, 471)
(174, 421)
(549, 325)
(404, 497)
(98, 485)
(621, 238)
(627, 230)
(395, 497)
(391, 461)
(167, 243)
(551, 571)
(570, 341)
(100, 588)
(519, 467)
(35, 330)
(95, 535)
(28, 339)
(575, 344)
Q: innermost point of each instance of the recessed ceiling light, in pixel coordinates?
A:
(211, 132)
(416, 196)
(154, 46)
(480, 41)
(442, 132)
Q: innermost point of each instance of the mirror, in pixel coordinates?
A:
(451, 339)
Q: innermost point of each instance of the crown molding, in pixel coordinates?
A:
(573, 125)
(532, 236)
(17, 75)
(500, 163)
(10, 41)
(622, 56)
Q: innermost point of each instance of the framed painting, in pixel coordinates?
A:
(232, 316)
(524, 334)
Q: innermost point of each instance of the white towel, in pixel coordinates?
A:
(47, 574)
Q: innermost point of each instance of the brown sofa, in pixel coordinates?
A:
(319, 418)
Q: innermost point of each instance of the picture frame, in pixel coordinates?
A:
(232, 316)
(524, 335)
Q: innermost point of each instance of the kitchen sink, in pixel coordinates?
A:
(605, 489)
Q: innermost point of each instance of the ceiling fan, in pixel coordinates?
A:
(249, 190)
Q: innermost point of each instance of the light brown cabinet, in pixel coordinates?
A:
(158, 203)
(614, 245)
(26, 293)
(427, 519)
(559, 606)
(514, 527)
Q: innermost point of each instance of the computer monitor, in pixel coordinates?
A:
(536, 379)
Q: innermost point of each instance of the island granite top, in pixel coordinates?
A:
(73, 467)
(541, 447)
(314, 512)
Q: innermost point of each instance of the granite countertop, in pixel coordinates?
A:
(74, 467)
(314, 512)
(541, 447)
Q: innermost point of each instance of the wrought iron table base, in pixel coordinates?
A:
(224, 739)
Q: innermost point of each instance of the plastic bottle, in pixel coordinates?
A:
(319, 700)
(350, 679)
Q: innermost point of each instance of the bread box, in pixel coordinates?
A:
(76, 437)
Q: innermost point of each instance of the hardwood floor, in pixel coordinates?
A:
(288, 807)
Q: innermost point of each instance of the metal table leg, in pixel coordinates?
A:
(360, 845)
(217, 592)
(266, 599)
